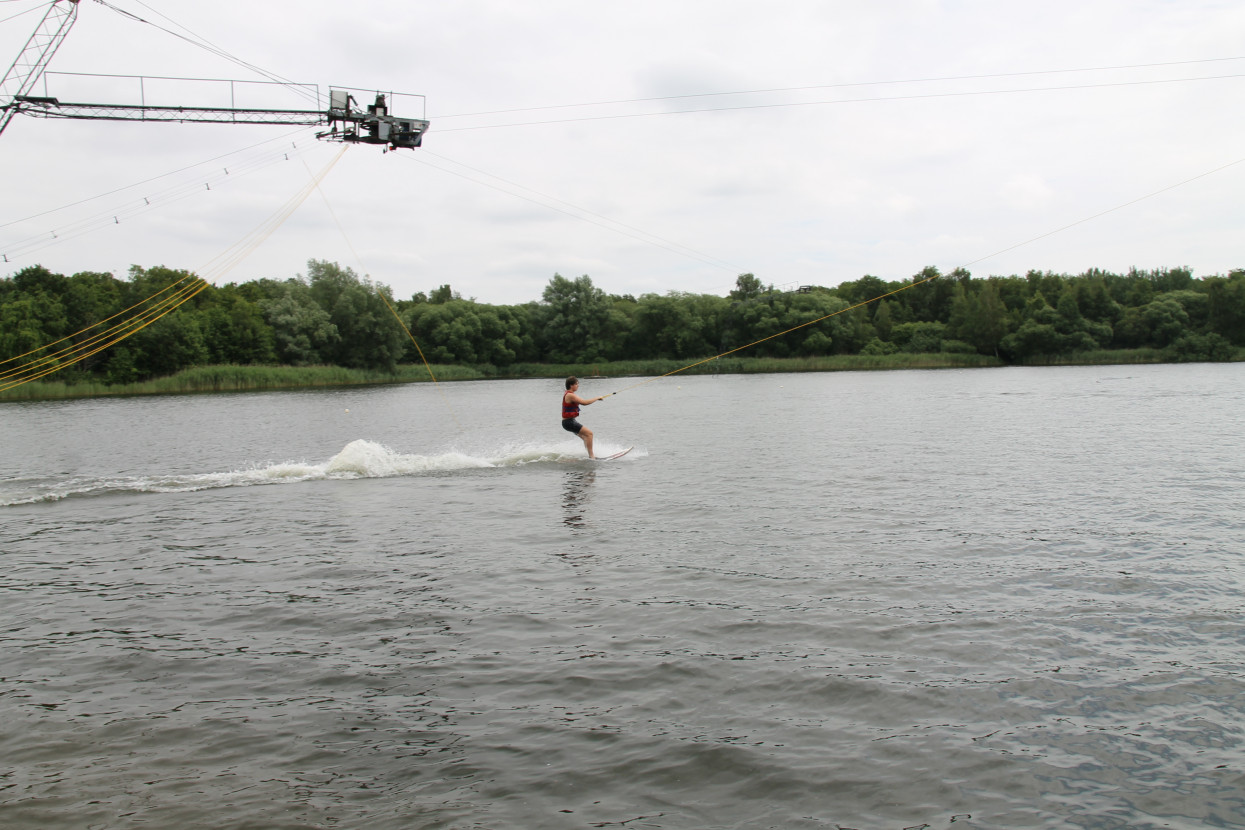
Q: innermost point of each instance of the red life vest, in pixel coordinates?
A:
(569, 410)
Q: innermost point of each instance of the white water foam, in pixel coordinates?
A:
(358, 459)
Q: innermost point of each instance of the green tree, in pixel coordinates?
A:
(1095, 301)
(1140, 291)
(1077, 333)
(882, 320)
(1046, 283)
(370, 336)
(160, 283)
(930, 297)
(234, 329)
(120, 368)
(677, 325)
(878, 347)
(443, 295)
(170, 344)
(1157, 323)
(863, 290)
(1196, 304)
(574, 317)
(30, 320)
(461, 331)
(1226, 306)
(919, 338)
(620, 326)
(1200, 348)
(92, 298)
(748, 287)
(987, 321)
(859, 332)
(303, 333)
(1014, 292)
(39, 280)
(962, 305)
(1165, 279)
(774, 313)
(1037, 334)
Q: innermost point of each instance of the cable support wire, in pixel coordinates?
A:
(77, 351)
(779, 334)
(392, 310)
(224, 262)
(576, 212)
(844, 85)
(436, 384)
(915, 96)
(152, 201)
(208, 46)
(31, 10)
(100, 323)
(1102, 213)
(214, 159)
(1013, 247)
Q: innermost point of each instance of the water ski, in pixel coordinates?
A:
(615, 455)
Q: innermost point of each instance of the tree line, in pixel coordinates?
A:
(332, 316)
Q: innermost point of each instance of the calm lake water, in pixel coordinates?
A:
(1002, 598)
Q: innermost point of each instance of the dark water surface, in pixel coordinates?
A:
(1002, 598)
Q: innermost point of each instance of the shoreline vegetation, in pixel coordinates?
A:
(249, 378)
(163, 331)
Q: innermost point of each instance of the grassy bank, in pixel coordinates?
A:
(746, 365)
(1101, 358)
(251, 378)
(239, 379)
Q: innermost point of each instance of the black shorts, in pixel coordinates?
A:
(572, 425)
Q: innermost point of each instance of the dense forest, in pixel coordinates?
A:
(331, 316)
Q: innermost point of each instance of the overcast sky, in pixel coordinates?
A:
(653, 145)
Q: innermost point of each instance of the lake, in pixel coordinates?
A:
(992, 598)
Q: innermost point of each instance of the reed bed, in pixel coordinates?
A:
(251, 378)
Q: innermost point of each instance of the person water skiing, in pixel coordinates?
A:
(571, 402)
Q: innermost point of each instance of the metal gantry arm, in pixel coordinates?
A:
(34, 57)
(43, 107)
(346, 122)
(344, 119)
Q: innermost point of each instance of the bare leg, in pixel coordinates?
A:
(586, 435)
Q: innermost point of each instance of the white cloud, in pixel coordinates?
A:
(1025, 191)
(787, 184)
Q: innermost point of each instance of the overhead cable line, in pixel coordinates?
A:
(101, 322)
(874, 99)
(149, 201)
(669, 245)
(114, 191)
(208, 46)
(780, 334)
(845, 85)
(94, 343)
(577, 212)
(1102, 213)
(19, 14)
(389, 305)
(90, 341)
(225, 261)
(965, 265)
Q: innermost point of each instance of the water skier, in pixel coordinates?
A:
(571, 402)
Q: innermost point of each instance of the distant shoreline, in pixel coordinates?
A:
(203, 379)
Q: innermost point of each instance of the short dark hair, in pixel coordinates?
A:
(571, 381)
